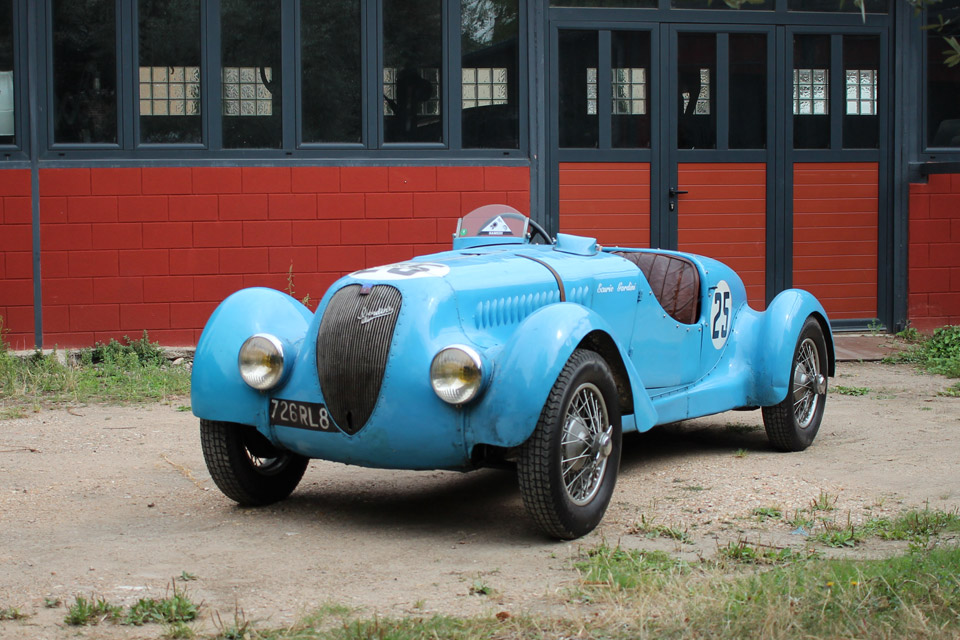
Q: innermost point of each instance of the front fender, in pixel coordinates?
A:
(528, 365)
(780, 326)
(217, 390)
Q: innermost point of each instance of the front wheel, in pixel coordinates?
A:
(246, 467)
(568, 468)
(793, 424)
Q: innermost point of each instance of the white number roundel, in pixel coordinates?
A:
(403, 271)
(720, 315)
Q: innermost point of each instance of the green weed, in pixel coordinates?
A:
(940, 353)
(824, 502)
(93, 611)
(653, 530)
(767, 513)
(850, 391)
(627, 568)
(115, 372)
(11, 613)
(744, 552)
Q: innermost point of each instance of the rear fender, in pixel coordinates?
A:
(529, 364)
(217, 390)
(780, 326)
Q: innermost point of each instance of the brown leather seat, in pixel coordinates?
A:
(674, 280)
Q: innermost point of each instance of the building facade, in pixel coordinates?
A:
(157, 155)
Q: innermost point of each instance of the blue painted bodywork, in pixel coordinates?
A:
(502, 298)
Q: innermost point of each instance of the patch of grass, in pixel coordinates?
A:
(653, 530)
(11, 613)
(479, 587)
(767, 513)
(850, 391)
(915, 595)
(951, 392)
(823, 502)
(916, 526)
(173, 609)
(744, 552)
(115, 372)
(741, 453)
(85, 612)
(940, 353)
(620, 568)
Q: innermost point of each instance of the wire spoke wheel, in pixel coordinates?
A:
(568, 467)
(585, 444)
(793, 424)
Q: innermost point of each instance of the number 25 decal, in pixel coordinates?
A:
(720, 315)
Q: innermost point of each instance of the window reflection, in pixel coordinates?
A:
(169, 73)
(490, 96)
(696, 69)
(412, 64)
(331, 71)
(861, 122)
(85, 71)
(577, 80)
(748, 91)
(943, 81)
(7, 95)
(250, 76)
(630, 85)
(811, 91)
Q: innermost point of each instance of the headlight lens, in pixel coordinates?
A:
(456, 374)
(261, 361)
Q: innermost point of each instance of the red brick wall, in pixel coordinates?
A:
(934, 276)
(723, 215)
(16, 257)
(125, 250)
(835, 244)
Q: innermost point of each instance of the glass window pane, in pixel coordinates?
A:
(490, 70)
(630, 84)
(943, 82)
(251, 74)
(85, 71)
(643, 4)
(697, 70)
(7, 96)
(811, 91)
(578, 89)
(837, 6)
(412, 68)
(763, 5)
(861, 61)
(748, 91)
(330, 57)
(169, 73)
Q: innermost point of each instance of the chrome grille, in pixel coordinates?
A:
(352, 348)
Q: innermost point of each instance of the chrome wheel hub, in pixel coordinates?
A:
(586, 444)
(809, 384)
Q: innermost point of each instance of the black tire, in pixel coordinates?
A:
(246, 467)
(564, 502)
(793, 424)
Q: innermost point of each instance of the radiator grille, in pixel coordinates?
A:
(352, 348)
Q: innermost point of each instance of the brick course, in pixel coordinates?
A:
(934, 271)
(156, 248)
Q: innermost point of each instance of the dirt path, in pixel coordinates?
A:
(116, 501)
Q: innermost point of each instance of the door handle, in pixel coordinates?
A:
(674, 192)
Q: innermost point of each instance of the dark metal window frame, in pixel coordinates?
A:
(372, 148)
(20, 149)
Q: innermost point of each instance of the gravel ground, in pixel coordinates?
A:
(116, 502)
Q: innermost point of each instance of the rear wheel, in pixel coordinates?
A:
(793, 424)
(568, 468)
(246, 467)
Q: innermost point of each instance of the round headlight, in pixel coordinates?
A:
(261, 361)
(456, 374)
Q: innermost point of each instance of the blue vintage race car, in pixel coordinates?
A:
(501, 350)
